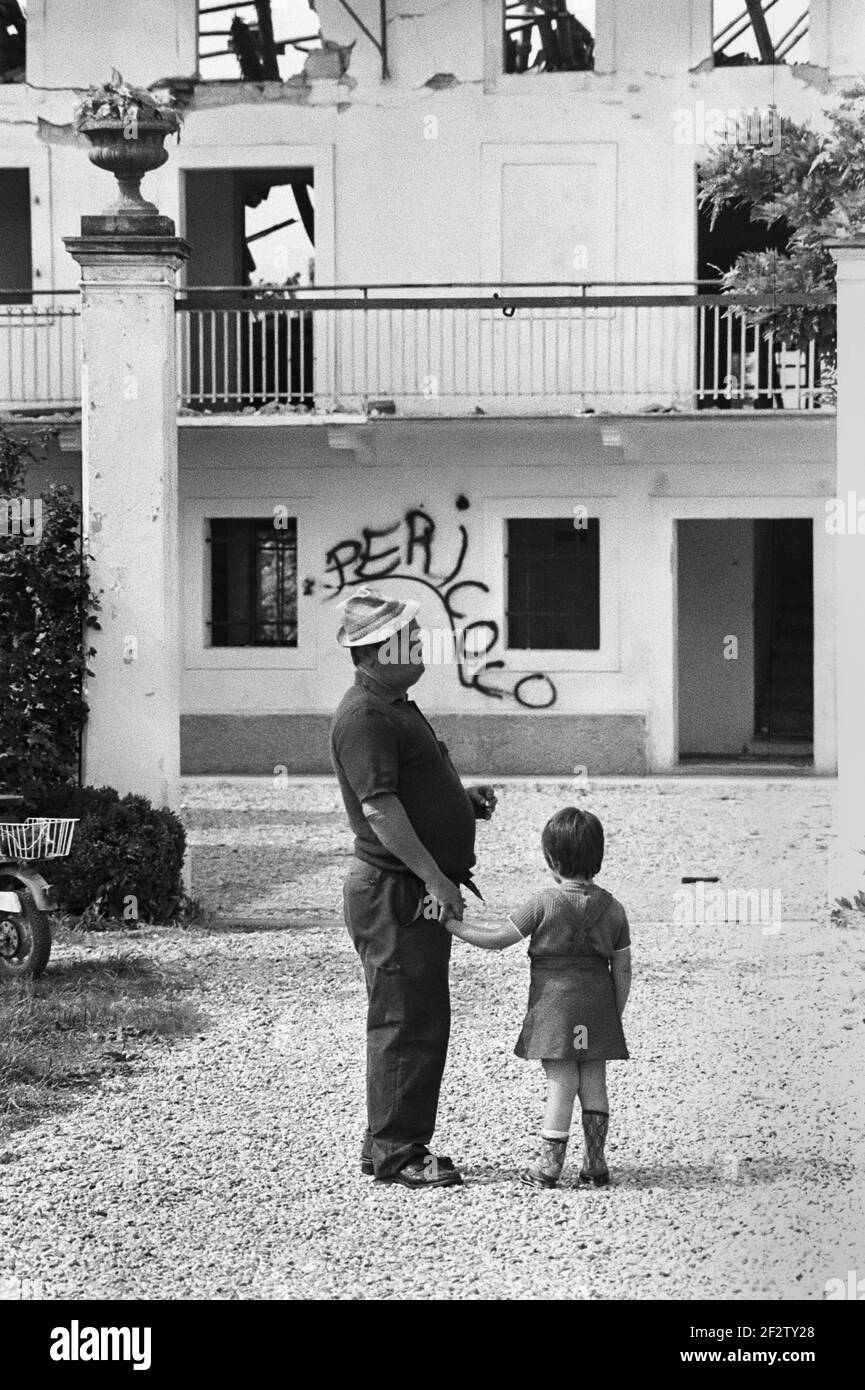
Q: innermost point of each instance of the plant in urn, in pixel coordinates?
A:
(125, 127)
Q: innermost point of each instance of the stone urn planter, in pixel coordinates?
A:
(128, 158)
(126, 127)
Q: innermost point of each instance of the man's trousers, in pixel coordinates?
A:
(406, 959)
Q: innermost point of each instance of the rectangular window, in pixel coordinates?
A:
(253, 582)
(16, 258)
(760, 31)
(13, 41)
(553, 584)
(549, 35)
(255, 40)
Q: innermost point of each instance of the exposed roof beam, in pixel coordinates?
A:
(796, 32)
(740, 24)
(277, 227)
(761, 30)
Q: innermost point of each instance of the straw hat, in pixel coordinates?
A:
(371, 617)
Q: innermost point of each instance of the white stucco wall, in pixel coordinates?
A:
(662, 471)
(72, 43)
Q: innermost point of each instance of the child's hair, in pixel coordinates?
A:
(573, 843)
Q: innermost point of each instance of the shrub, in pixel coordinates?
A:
(46, 607)
(126, 858)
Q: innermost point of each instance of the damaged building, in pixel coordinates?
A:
(451, 313)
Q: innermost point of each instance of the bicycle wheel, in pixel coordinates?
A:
(25, 939)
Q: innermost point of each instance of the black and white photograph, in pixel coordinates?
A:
(432, 668)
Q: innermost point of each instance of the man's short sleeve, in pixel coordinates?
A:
(527, 918)
(622, 932)
(366, 746)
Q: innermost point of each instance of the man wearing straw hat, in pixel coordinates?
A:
(414, 828)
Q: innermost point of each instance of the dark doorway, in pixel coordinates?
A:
(251, 230)
(784, 633)
(736, 369)
(719, 247)
(745, 640)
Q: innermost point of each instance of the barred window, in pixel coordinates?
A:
(253, 582)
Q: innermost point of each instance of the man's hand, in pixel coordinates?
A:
(448, 897)
(484, 800)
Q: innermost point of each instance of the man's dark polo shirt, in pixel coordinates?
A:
(380, 742)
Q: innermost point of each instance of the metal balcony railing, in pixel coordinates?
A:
(512, 349)
(39, 350)
(448, 349)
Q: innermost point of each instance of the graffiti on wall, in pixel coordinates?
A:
(412, 550)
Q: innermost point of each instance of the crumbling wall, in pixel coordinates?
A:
(424, 37)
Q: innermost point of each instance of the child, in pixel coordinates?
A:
(580, 981)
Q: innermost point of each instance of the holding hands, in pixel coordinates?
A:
(447, 900)
(444, 899)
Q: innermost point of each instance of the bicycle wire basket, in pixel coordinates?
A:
(39, 837)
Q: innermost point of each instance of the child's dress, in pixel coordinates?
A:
(572, 1009)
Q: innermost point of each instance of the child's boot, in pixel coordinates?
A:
(594, 1169)
(547, 1168)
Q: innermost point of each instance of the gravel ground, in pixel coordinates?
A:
(225, 1166)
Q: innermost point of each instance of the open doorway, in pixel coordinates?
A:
(251, 227)
(741, 371)
(745, 639)
(252, 231)
(783, 634)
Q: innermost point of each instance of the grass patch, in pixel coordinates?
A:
(83, 1021)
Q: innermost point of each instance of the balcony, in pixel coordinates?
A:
(40, 351)
(437, 350)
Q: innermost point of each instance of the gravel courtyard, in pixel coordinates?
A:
(225, 1166)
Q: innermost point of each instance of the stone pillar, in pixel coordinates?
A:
(848, 867)
(129, 439)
